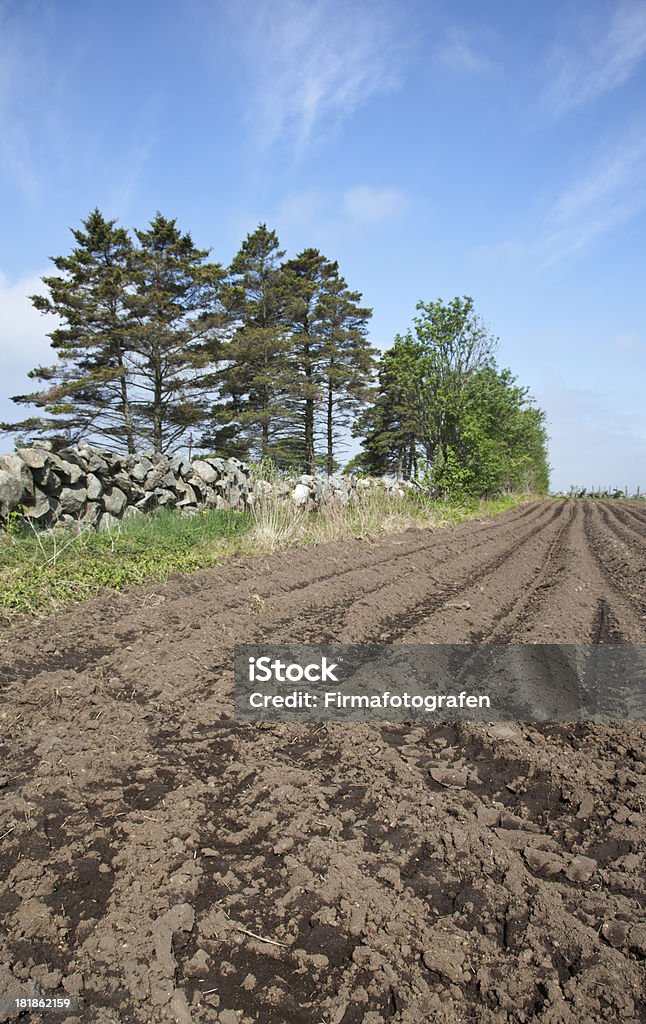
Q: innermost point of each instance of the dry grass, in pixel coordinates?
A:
(41, 573)
(373, 513)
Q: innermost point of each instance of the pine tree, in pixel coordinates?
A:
(306, 275)
(391, 425)
(347, 359)
(332, 359)
(86, 392)
(177, 333)
(253, 419)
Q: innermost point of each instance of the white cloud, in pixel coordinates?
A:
(458, 54)
(628, 343)
(610, 193)
(370, 205)
(314, 62)
(23, 340)
(597, 56)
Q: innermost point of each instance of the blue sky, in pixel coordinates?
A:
(433, 148)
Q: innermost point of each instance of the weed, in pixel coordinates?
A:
(43, 571)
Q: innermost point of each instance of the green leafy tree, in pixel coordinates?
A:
(177, 329)
(86, 393)
(445, 412)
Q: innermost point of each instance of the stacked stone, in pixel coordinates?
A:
(88, 486)
(312, 492)
(94, 487)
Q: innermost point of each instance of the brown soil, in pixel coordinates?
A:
(166, 863)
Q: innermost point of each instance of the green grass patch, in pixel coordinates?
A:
(43, 571)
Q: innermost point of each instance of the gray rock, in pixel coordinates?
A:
(112, 461)
(186, 494)
(301, 495)
(96, 464)
(159, 476)
(94, 487)
(132, 512)
(67, 470)
(11, 492)
(205, 471)
(47, 480)
(35, 458)
(41, 507)
(140, 469)
(73, 499)
(114, 501)
(15, 466)
(92, 513)
(164, 498)
(108, 522)
(179, 466)
(75, 456)
(147, 503)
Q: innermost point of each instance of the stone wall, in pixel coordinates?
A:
(90, 487)
(94, 487)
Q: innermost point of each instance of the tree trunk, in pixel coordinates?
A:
(125, 406)
(309, 413)
(158, 412)
(330, 434)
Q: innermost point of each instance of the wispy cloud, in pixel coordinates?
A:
(370, 204)
(596, 55)
(314, 62)
(129, 178)
(16, 155)
(23, 339)
(629, 344)
(609, 194)
(32, 122)
(458, 53)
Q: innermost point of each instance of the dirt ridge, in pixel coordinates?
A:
(167, 863)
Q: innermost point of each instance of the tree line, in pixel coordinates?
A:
(269, 358)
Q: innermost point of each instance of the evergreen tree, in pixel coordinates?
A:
(177, 331)
(347, 359)
(331, 357)
(306, 276)
(391, 425)
(86, 392)
(253, 418)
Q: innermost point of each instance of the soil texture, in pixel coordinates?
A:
(163, 862)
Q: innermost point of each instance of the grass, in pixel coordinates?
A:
(42, 572)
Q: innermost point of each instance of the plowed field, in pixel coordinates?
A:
(163, 862)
